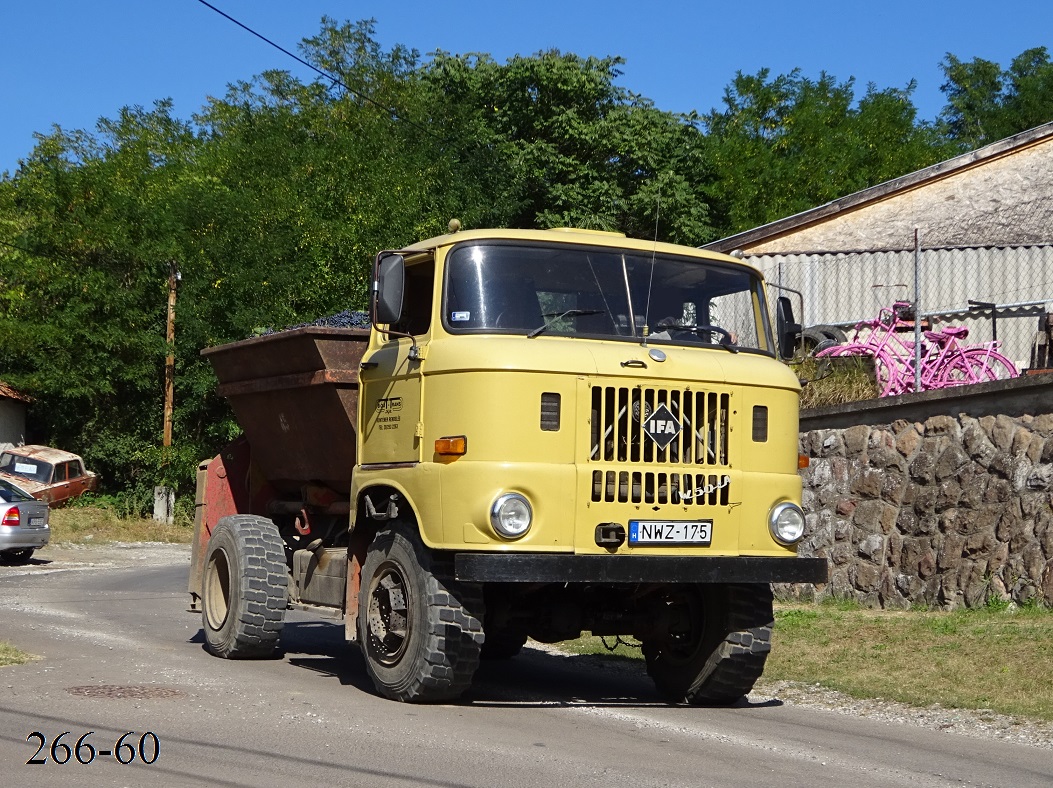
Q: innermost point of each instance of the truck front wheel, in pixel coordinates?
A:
(717, 642)
(419, 629)
(245, 588)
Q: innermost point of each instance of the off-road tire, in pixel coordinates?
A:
(16, 557)
(420, 630)
(244, 590)
(717, 658)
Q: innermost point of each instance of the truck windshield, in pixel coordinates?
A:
(563, 290)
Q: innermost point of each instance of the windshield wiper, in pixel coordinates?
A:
(556, 317)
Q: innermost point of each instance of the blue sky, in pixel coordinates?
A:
(71, 62)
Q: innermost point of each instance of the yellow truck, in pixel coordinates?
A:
(540, 433)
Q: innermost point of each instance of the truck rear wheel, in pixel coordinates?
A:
(245, 588)
(718, 640)
(420, 630)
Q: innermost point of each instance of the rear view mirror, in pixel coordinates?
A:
(786, 329)
(388, 288)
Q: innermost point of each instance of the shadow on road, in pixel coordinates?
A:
(535, 678)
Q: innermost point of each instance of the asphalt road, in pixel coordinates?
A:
(119, 654)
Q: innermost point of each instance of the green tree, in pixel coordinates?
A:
(974, 97)
(82, 324)
(787, 143)
(986, 103)
(551, 140)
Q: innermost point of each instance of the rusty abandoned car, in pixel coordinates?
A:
(48, 474)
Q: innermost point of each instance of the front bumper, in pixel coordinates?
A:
(548, 568)
(22, 538)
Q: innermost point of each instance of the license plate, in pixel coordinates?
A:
(36, 520)
(670, 532)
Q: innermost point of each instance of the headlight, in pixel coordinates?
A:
(786, 523)
(511, 515)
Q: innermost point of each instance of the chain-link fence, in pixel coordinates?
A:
(998, 293)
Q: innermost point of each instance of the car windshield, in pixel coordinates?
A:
(26, 467)
(561, 290)
(11, 494)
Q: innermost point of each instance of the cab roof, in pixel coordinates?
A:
(569, 235)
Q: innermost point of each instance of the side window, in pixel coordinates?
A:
(417, 299)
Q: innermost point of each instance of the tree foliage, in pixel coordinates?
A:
(986, 103)
(787, 143)
(273, 199)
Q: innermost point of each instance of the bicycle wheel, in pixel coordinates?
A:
(992, 364)
(956, 370)
(975, 365)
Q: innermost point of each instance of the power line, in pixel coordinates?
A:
(31, 253)
(335, 80)
(58, 257)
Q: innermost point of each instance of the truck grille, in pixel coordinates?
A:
(617, 437)
(648, 487)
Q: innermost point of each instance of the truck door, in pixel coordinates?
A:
(391, 377)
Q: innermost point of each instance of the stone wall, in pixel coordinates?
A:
(934, 499)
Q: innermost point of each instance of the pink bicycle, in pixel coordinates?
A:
(945, 362)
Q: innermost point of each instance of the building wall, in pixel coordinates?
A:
(12, 421)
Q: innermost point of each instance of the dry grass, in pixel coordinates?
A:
(999, 659)
(836, 381)
(9, 655)
(92, 525)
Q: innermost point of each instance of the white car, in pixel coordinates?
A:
(24, 524)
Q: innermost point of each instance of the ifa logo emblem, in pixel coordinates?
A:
(662, 426)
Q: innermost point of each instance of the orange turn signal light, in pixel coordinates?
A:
(803, 461)
(455, 445)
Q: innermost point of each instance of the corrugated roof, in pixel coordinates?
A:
(10, 393)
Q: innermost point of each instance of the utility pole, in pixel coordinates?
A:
(173, 279)
(164, 497)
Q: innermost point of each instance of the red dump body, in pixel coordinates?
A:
(295, 395)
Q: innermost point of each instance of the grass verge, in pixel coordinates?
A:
(836, 381)
(9, 655)
(994, 658)
(93, 525)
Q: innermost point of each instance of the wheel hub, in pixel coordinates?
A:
(217, 590)
(388, 617)
(686, 628)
